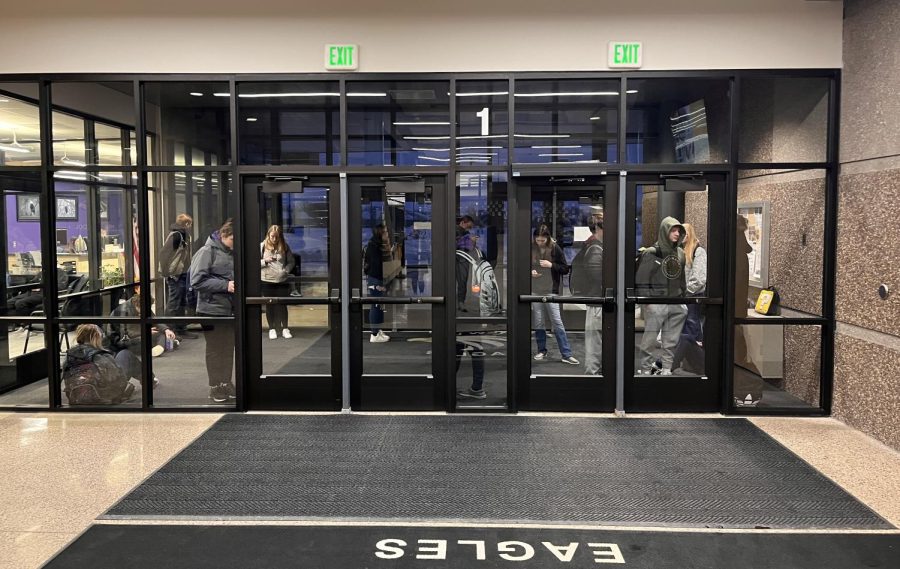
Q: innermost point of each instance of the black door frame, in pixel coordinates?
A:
(290, 392)
(375, 392)
(680, 393)
(573, 392)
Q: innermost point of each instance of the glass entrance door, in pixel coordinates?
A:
(398, 267)
(292, 268)
(566, 266)
(674, 273)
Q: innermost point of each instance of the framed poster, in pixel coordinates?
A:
(67, 208)
(757, 233)
(28, 207)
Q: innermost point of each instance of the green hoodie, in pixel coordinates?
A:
(660, 268)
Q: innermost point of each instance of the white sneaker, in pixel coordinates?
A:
(273, 334)
(378, 338)
(665, 371)
(287, 334)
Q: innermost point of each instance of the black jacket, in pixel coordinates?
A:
(548, 281)
(211, 269)
(375, 259)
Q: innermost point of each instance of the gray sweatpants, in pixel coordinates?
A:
(593, 340)
(664, 321)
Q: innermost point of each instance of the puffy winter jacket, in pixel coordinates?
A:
(211, 269)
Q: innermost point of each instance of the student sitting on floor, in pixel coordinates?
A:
(90, 374)
(125, 338)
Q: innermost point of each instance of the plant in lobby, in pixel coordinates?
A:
(112, 276)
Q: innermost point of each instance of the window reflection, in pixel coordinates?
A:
(20, 133)
(482, 119)
(571, 121)
(398, 123)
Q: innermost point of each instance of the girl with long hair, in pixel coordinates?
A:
(690, 344)
(548, 265)
(276, 262)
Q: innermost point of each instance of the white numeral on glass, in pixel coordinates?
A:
(485, 116)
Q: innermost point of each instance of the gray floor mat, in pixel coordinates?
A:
(679, 472)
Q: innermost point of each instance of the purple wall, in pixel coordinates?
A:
(25, 236)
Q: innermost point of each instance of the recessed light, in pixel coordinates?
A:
(251, 119)
(196, 94)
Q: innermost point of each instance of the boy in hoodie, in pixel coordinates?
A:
(174, 261)
(660, 272)
(212, 276)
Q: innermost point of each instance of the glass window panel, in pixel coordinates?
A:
(100, 364)
(186, 118)
(397, 245)
(681, 121)
(69, 144)
(308, 350)
(780, 231)
(96, 244)
(186, 209)
(777, 367)
(784, 119)
(481, 279)
(573, 218)
(88, 121)
(389, 121)
(482, 119)
(20, 128)
(566, 121)
(290, 123)
(187, 366)
(23, 366)
(111, 149)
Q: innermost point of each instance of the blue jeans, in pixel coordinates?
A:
(376, 313)
(177, 297)
(551, 309)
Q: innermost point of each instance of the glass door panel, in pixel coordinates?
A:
(294, 315)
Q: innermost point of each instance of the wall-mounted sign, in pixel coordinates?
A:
(627, 54)
(341, 57)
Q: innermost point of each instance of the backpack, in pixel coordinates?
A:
(484, 282)
(649, 262)
(173, 262)
(581, 281)
(87, 384)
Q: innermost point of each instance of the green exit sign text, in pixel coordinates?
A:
(341, 57)
(625, 54)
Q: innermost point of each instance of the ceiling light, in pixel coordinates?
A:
(221, 94)
(18, 148)
(563, 154)
(481, 137)
(480, 148)
(367, 94)
(251, 119)
(432, 149)
(550, 146)
(433, 158)
(426, 138)
(571, 94)
(196, 94)
(482, 94)
(414, 123)
(265, 95)
(595, 118)
(542, 135)
(631, 91)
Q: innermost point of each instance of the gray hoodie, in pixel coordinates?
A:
(660, 268)
(211, 269)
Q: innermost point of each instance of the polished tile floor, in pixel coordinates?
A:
(60, 471)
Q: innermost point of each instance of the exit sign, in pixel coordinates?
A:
(341, 57)
(625, 54)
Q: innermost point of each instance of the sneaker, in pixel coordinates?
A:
(155, 382)
(157, 351)
(219, 393)
(229, 390)
(379, 337)
(665, 371)
(570, 360)
(472, 393)
(287, 334)
(296, 293)
(273, 334)
(540, 356)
